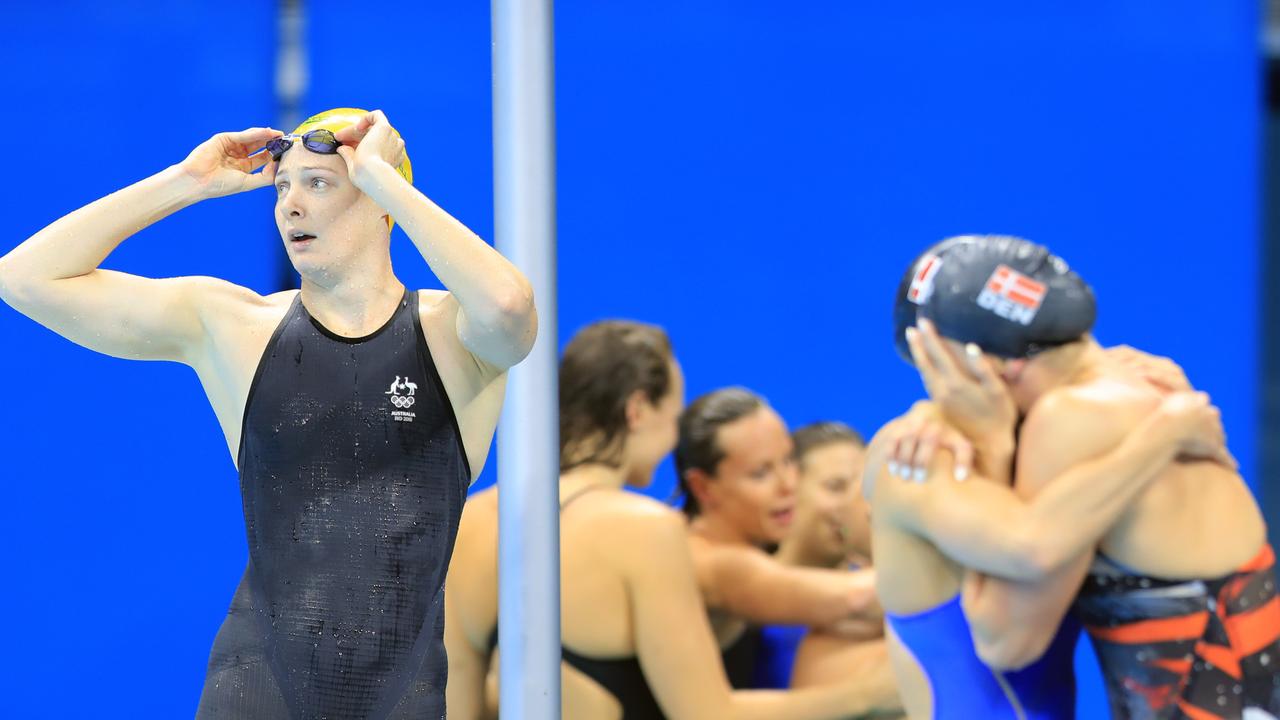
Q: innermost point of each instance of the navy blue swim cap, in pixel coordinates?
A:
(915, 288)
(1010, 297)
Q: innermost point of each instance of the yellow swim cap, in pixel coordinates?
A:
(339, 118)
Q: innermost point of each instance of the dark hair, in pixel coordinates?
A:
(698, 447)
(602, 366)
(820, 434)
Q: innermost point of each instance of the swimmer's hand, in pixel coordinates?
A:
(1197, 425)
(914, 442)
(1161, 373)
(967, 388)
(367, 144)
(226, 163)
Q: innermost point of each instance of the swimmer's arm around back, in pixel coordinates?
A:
(746, 582)
(1013, 622)
(983, 525)
(497, 321)
(53, 277)
(677, 650)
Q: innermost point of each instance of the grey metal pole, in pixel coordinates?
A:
(528, 442)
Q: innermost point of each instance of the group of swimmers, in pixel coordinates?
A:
(1046, 485)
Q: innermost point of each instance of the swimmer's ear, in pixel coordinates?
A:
(1010, 370)
(700, 486)
(635, 408)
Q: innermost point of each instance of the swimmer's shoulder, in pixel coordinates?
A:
(234, 317)
(225, 303)
(631, 516)
(1103, 406)
(438, 314)
(634, 533)
(1073, 424)
(437, 308)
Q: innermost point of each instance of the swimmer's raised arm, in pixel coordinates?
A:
(983, 525)
(746, 582)
(54, 276)
(497, 321)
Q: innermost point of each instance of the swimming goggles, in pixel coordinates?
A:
(317, 141)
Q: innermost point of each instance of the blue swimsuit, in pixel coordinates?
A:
(964, 688)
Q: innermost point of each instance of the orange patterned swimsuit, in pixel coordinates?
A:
(1197, 649)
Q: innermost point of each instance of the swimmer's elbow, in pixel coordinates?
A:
(1036, 555)
(12, 291)
(5, 281)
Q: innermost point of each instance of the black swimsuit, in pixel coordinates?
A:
(353, 477)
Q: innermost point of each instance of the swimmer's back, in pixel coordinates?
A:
(1196, 519)
(599, 530)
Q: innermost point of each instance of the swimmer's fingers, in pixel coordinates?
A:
(903, 453)
(953, 441)
(963, 451)
(924, 365)
(255, 180)
(254, 139)
(926, 449)
(1161, 372)
(260, 160)
(981, 368)
(939, 358)
(354, 134)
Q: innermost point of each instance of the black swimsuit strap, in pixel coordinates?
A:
(579, 493)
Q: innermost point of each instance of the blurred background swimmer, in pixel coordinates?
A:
(832, 530)
(1179, 596)
(636, 640)
(932, 519)
(737, 466)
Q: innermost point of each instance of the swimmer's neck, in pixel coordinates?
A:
(355, 304)
(589, 474)
(716, 529)
(1078, 363)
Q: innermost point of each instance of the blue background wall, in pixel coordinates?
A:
(753, 177)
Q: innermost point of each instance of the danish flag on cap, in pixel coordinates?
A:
(1012, 295)
(922, 282)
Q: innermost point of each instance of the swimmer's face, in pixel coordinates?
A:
(832, 517)
(315, 196)
(653, 428)
(754, 486)
(1024, 377)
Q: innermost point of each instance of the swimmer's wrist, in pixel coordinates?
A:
(179, 183)
(995, 453)
(372, 175)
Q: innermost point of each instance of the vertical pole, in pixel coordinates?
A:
(528, 443)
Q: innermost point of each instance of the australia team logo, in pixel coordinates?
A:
(402, 397)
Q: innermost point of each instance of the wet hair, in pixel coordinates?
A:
(601, 368)
(820, 434)
(698, 447)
